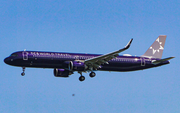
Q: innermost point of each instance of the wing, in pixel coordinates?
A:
(96, 62)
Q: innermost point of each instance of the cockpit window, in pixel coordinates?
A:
(14, 55)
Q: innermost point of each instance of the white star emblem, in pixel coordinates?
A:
(157, 50)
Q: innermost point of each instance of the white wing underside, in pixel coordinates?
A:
(96, 62)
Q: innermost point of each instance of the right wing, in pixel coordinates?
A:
(96, 62)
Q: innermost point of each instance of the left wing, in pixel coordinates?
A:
(96, 62)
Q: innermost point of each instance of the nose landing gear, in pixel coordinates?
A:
(23, 73)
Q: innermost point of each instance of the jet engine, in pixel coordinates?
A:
(62, 73)
(68, 65)
(79, 66)
(74, 66)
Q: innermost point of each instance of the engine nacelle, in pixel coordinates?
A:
(68, 65)
(62, 73)
(79, 66)
(74, 66)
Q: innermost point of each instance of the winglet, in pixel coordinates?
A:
(129, 43)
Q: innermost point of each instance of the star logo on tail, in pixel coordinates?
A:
(157, 49)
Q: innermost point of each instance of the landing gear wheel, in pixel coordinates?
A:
(22, 73)
(92, 74)
(81, 78)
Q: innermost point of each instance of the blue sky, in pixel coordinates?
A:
(84, 26)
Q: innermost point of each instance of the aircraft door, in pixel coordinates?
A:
(76, 57)
(25, 55)
(143, 62)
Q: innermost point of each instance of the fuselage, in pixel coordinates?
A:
(65, 64)
(38, 59)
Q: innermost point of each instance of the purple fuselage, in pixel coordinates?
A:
(38, 59)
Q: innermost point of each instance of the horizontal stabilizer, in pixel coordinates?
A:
(162, 60)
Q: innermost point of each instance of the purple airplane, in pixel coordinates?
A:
(65, 64)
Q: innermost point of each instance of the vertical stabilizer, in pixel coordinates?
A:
(156, 49)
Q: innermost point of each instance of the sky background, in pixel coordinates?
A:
(89, 26)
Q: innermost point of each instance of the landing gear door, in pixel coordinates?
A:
(25, 55)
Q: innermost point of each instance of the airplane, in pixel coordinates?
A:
(65, 64)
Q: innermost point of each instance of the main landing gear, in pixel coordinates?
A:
(92, 74)
(23, 73)
(82, 78)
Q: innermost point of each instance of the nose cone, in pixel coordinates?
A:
(7, 60)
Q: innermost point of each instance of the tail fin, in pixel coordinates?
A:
(156, 49)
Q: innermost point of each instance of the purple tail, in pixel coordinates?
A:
(156, 49)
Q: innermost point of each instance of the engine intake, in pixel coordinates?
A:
(68, 65)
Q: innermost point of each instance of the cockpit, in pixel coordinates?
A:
(12, 58)
(14, 55)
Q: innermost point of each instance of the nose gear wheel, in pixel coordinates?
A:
(23, 73)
